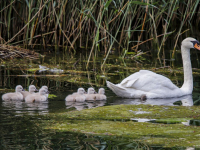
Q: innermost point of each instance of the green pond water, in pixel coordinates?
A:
(115, 124)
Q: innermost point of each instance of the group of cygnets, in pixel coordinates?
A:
(29, 96)
(81, 95)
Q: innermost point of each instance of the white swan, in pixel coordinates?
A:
(153, 85)
(14, 96)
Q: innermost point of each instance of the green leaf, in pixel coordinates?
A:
(130, 53)
(27, 3)
(142, 3)
(107, 4)
(139, 3)
(52, 96)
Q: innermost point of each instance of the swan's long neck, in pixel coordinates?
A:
(187, 68)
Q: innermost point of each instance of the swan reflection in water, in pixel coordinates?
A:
(38, 107)
(42, 107)
(26, 108)
(84, 105)
(185, 101)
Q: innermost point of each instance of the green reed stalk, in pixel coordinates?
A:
(29, 3)
(189, 8)
(9, 20)
(26, 24)
(127, 10)
(182, 23)
(98, 24)
(172, 8)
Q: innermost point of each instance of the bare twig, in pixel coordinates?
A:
(149, 40)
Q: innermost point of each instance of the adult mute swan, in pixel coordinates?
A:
(153, 85)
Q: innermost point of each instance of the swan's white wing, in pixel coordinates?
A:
(145, 80)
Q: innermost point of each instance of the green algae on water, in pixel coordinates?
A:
(114, 121)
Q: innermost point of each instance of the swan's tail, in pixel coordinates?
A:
(119, 91)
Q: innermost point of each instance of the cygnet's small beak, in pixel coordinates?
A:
(23, 90)
(47, 92)
(36, 90)
(197, 46)
(95, 92)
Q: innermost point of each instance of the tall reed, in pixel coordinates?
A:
(99, 25)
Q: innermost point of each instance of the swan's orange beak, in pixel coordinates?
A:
(197, 46)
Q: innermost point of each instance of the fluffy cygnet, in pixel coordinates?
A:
(90, 94)
(101, 94)
(31, 90)
(45, 87)
(76, 97)
(79, 91)
(14, 96)
(37, 97)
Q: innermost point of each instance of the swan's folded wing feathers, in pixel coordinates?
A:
(165, 82)
(131, 77)
(130, 83)
(130, 80)
(148, 81)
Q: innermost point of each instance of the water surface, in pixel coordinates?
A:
(20, 123)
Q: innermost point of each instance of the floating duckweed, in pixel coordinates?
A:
(114, 121)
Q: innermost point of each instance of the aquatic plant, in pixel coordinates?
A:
(114, 122)
(100, 25)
